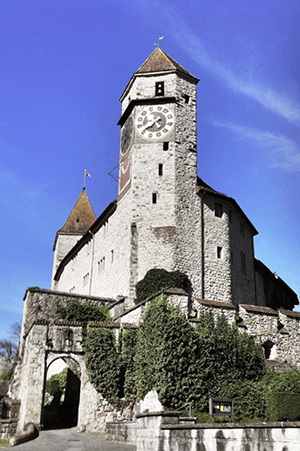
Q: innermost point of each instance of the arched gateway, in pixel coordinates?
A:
(44, 339)
(61, 409)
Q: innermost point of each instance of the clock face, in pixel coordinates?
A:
(154, 122)
(126, 135)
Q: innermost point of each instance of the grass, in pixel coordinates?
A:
(4, 442)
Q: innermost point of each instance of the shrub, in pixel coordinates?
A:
(282, 394)
(57, 383)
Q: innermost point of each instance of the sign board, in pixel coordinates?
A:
(220, 407)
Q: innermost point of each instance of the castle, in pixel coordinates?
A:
(164, 217)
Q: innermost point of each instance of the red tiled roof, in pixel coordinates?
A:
(81, 217)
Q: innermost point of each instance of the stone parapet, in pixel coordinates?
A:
(163, 430)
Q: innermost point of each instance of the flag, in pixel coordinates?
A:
(86, 173)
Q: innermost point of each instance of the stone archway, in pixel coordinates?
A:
(60, 410)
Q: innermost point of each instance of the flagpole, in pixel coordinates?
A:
(86, 173)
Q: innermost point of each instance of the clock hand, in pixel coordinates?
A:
(152, 123)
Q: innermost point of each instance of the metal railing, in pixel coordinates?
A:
(190, 408)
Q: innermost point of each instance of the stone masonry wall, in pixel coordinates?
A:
(217, 269)
(241, 240)
(187, 204)
(42, 305)
(101, 266)
(163, 431)
(64, 243)
(8, 426)
(32, 380)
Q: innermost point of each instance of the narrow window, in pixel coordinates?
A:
(112, 254)
(166, 146)
(68, 335)
(101, 265)
(186, 98)
(243, 263)
(218, 210)
(219, 252)
(154, 198)
(86, 279)
(159, 88)
(242, 229)
(160, 169)
(231, 257)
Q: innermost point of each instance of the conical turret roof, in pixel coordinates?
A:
(81, 217)
(160, 61)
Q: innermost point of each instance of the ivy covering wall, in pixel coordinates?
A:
(156, 279)
(186, 363)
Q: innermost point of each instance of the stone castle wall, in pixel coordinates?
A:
(41, 305)
(102, 263)
(65, 242)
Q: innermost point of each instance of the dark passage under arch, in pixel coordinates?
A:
(60, 409)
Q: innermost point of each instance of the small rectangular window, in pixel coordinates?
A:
(112, 254)
(186, 98)
(243, 263)
(166, 146)
(101, 265)
(159, 88)
(219, 252)
(218, 210)
(160, 169)
(242, 229)
(86, 279)
(154, 198)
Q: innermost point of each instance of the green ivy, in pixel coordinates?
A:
(103, 362)
(128, 341)
(157, 279)
(74, 311)
(187, 364)
(84, 313)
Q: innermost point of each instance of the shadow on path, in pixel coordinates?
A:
(70, 440)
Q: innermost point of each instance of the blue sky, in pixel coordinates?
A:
(64, 65)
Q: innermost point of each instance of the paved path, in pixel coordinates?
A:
(70, 440)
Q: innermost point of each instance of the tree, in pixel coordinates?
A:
(15, 332)
(9, 347)
(8, 352)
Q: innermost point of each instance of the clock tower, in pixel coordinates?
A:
(158, 160)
